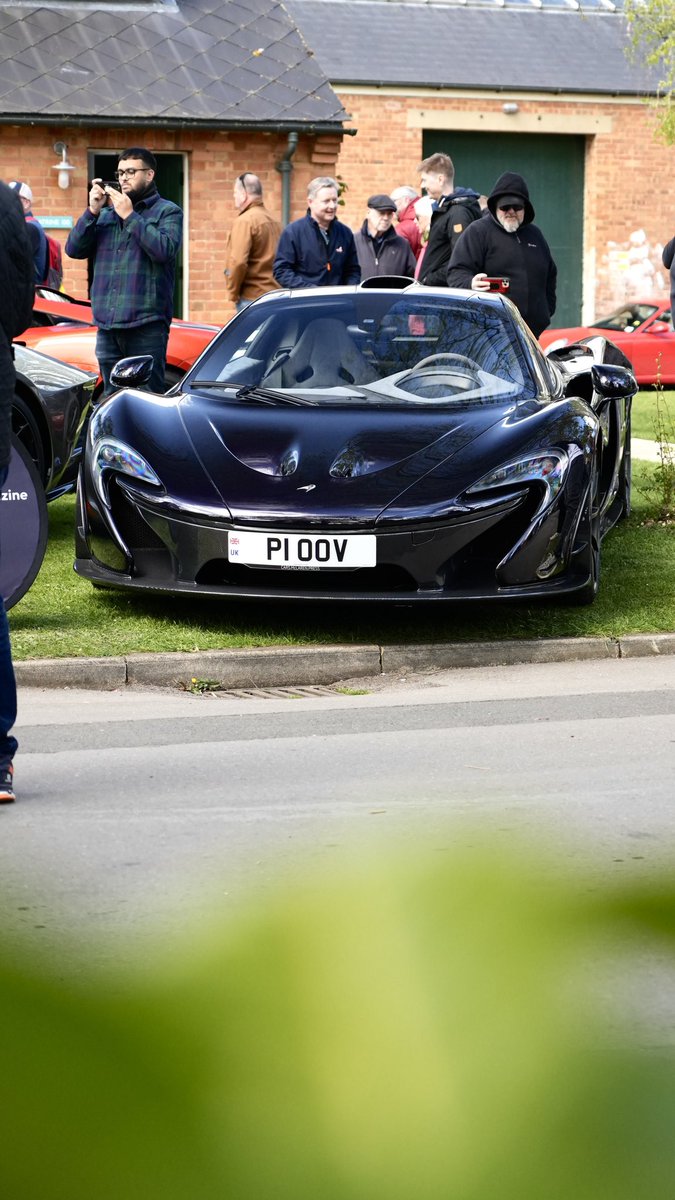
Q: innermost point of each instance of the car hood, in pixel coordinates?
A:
(284, 464)
(75, 344)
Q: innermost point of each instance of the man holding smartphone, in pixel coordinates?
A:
(133, 237)
(505, 245)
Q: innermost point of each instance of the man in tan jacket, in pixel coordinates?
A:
(252, 244)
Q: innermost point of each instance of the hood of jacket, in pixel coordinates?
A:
(510, 184)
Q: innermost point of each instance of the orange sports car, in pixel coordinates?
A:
(64, 328)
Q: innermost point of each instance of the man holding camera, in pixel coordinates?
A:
(505, 244)
(133, 237)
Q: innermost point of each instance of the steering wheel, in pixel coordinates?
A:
(432, 359)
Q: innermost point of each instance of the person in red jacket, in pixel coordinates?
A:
(406, 224)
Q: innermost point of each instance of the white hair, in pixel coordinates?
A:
(423, 206)
(321, 181)
(403, 193)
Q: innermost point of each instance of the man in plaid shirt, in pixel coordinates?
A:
(133, 237)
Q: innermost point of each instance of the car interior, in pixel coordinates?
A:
(403, 352)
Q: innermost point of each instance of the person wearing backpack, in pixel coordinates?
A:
(17, 291)
(453, 209)
(46, 249)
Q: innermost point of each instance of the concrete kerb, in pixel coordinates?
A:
(305, 665)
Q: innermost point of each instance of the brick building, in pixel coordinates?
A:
(543, 87)
(213, 89)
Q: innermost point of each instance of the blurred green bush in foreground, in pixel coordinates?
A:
(392, 1031)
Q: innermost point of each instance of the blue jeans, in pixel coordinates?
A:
(113, 344)
(8, 744)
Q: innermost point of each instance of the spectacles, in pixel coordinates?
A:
(511, 207)
(129, 171)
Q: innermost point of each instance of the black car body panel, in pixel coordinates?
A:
(51, 409)
(421, 448)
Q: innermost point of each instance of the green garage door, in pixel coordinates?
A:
(553, 168)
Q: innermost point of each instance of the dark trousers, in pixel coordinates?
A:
(113, 344)
(8, 744)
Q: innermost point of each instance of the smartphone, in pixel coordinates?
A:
(497, 283)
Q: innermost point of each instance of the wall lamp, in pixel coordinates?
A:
(64, 168)
(510, 108)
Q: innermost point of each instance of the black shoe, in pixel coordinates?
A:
(6, 785)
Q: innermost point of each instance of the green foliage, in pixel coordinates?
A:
(664, 433)
(198, 686)
(435, 1029)
(652, 36)
(644, 410)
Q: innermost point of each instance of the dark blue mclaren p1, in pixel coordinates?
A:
(388, 443)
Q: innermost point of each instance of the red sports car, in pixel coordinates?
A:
(643, 330)
(64, 328)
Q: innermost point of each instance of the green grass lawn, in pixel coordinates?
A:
(645, 413)
(63, 615)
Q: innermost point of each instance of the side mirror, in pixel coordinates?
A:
(610, 381)
(132, 372)
(658, 327)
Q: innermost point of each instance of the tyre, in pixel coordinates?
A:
(26, 429)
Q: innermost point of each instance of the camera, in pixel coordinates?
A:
(497, 283)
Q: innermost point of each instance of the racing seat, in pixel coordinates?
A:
(324, 356)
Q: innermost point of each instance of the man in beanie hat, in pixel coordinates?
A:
(380, 249)
(505, 243)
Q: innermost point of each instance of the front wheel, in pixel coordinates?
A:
(25, 428)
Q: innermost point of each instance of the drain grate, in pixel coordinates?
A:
(278, 693)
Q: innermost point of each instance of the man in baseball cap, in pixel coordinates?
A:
(36, 233)
(380, 248)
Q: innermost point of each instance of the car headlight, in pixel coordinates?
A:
(109, 454)
(549, 469)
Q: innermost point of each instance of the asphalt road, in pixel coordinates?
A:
(133, 804)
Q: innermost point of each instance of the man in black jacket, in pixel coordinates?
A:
(380, 249)
(17, 292)
(454, 209)
(505, 244)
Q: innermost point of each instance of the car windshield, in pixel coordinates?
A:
(630, 317)
(374, 347)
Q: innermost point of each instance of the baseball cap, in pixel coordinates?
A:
(507, 201)
(23, 190)
(382, 203)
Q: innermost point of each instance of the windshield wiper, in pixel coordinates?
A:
(214, 383)
(268, 396)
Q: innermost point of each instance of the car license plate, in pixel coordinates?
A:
(302, 551)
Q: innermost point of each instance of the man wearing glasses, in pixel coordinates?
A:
(133, 237)
(505, 246)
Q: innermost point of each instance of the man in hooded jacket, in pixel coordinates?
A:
(505, 243)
